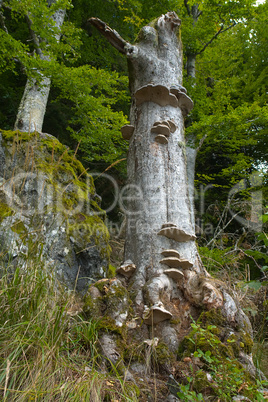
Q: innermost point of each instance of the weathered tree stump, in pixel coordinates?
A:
(168, 284)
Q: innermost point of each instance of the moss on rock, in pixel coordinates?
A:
(5, 211)
(53, 199)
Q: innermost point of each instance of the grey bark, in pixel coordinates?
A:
(190, 65)
(33, 104)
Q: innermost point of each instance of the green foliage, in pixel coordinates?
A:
(44, 31)
(225, 377)
(186, 394)
(230, 95)
(94, 123)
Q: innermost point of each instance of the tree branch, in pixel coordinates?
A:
(201, 143)
(187, 7)
(221, 30)
(110, 34)
(33, 35)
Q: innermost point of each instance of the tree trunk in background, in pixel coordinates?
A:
(190, 65)
(33, 104)
(170, 281)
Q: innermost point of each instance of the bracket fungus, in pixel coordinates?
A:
(186, 264)
(161, 129)
(161, 139)
(126, 269)
(174, 262)
(165, 122)
(170, 253)
(127, 131)
(156, 93)
(179, 88)
(185, 103)
(175, 274)
(172, 232)
(169, 123)
(156, 314)
(169, 224)
(172, 126)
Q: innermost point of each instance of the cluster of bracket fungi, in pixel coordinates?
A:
(162, 129)
(176, 265)
(175, 96)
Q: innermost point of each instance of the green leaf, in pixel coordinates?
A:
(256, 285)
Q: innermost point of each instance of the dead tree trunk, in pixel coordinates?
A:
(169, 280)
(33, 104)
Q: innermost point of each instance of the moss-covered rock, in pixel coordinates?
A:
(108, 301)
(49, 209)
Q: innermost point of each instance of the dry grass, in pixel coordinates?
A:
(49, 352)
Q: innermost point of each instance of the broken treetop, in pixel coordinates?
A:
(157, 52)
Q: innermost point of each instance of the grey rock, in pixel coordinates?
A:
(172, 398)
(47, 213)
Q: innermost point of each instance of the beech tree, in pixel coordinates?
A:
(168, 280)
(44, 21)
(33, 104)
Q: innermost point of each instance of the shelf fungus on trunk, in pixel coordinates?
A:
(168, 224)
(161, 129)
(155, 93)
(163, 132)
(169, 123)
(156, 314)
(173, 232)
(126, 269)
(170, 253)
(175, 262)
(161, 139)
(175, 274)
(127, 131)
(185, 103)
(172, 126)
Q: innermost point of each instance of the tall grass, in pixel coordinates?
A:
(48, 352)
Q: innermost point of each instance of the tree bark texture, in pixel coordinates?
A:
(33, 104)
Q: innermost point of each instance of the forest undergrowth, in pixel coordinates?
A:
(51, 352)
